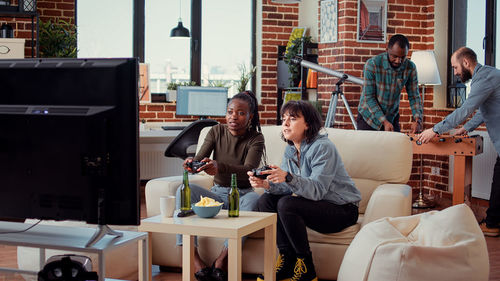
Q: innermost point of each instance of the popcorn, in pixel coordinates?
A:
(207, 202)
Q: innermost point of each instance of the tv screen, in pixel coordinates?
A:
(69, 141)
(201, 101)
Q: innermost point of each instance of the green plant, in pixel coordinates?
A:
(218, 83)
(294, 50)
(173, 85)
(57, 39)
(245, 76)
(318, 105)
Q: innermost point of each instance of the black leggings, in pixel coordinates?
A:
(295, 213)
(493, 212)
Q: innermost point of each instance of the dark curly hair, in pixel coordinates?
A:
(310, 114)
(249, 97)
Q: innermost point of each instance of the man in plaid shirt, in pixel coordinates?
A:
(385, 75)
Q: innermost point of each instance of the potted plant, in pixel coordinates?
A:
(172, 88)
(245, 76)
(291, 52)
(57, 39)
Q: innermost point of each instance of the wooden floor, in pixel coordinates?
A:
(8, 254)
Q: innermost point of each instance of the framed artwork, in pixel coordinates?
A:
(297, 32)
(372, 21)
(144, 93)
(328, 26)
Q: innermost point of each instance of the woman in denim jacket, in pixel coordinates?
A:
(310, 189)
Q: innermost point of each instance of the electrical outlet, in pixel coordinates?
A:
(435, 170)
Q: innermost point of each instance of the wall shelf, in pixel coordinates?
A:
(13, 12)
(309, 53)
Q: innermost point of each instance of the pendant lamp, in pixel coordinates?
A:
(179, 31)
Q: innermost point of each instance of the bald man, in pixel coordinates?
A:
(485, 96)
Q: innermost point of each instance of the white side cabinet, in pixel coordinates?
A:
(11, 48)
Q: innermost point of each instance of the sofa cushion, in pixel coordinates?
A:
(366, 187)
(389, 162)
(344, 237)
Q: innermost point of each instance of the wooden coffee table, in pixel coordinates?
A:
(220, 226)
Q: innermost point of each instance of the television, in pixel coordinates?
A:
(201, 101)
(69, 141)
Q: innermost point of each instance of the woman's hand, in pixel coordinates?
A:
(211, 167)
(187, 160)
(275, 175)
(257, 182)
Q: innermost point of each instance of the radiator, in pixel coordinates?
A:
(482, 168)
(154, 164)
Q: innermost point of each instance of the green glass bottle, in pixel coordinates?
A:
(185, 193)
(234, 198)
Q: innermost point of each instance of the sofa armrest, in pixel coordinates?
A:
(388, 200)
(156, 188)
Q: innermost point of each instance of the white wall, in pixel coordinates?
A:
(441, 50)
(308, 17)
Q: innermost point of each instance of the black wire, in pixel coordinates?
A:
(19, 231)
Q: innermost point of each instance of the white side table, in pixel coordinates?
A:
(72, 239)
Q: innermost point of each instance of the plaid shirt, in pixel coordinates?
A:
(382, 90)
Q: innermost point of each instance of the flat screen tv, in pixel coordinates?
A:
(69, 140)
(201, 101)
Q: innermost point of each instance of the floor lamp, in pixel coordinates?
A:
(428, 74)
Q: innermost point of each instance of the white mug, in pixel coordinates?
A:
(167, 206)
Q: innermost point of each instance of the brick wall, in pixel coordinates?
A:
(414, 18)
(47, 9)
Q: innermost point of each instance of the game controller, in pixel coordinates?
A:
(257, 172)
(195, 165)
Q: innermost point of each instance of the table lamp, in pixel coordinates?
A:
(428, 74)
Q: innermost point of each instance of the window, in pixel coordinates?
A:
(226, 37)
(476, 28)
(226, 42)
(104, 28)
(168, 58)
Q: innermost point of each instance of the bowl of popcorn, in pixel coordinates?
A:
(207, 207)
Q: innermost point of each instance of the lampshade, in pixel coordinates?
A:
(179, 31)
(428, 73)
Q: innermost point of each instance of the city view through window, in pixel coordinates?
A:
(226, 38)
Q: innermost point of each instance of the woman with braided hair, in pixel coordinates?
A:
(237, 147)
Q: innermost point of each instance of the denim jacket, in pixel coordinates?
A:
(320, 175)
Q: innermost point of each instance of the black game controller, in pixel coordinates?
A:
(257, 172)
(195, 165)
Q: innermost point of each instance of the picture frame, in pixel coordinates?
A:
(372, 21)
(329, 21)
(297, 32)
(144, 91)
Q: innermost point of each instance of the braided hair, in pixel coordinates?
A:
(249, 97)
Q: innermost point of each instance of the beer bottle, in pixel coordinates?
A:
(185, 193)
(234, 198)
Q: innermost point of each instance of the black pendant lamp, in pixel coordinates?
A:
(179, 31)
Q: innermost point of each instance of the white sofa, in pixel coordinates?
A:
(378, 162)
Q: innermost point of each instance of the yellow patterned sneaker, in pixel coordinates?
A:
(304, 270)
(489, 231)
(284, 268)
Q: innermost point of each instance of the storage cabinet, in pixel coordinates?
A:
(19, 12)
(11, 48)
(309, 53)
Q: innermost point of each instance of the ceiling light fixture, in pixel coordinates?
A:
(179, 31)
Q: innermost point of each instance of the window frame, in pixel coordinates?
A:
(196, 28)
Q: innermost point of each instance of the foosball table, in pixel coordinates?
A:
(463, 148)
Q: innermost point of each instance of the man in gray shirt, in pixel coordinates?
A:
(485, 96)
